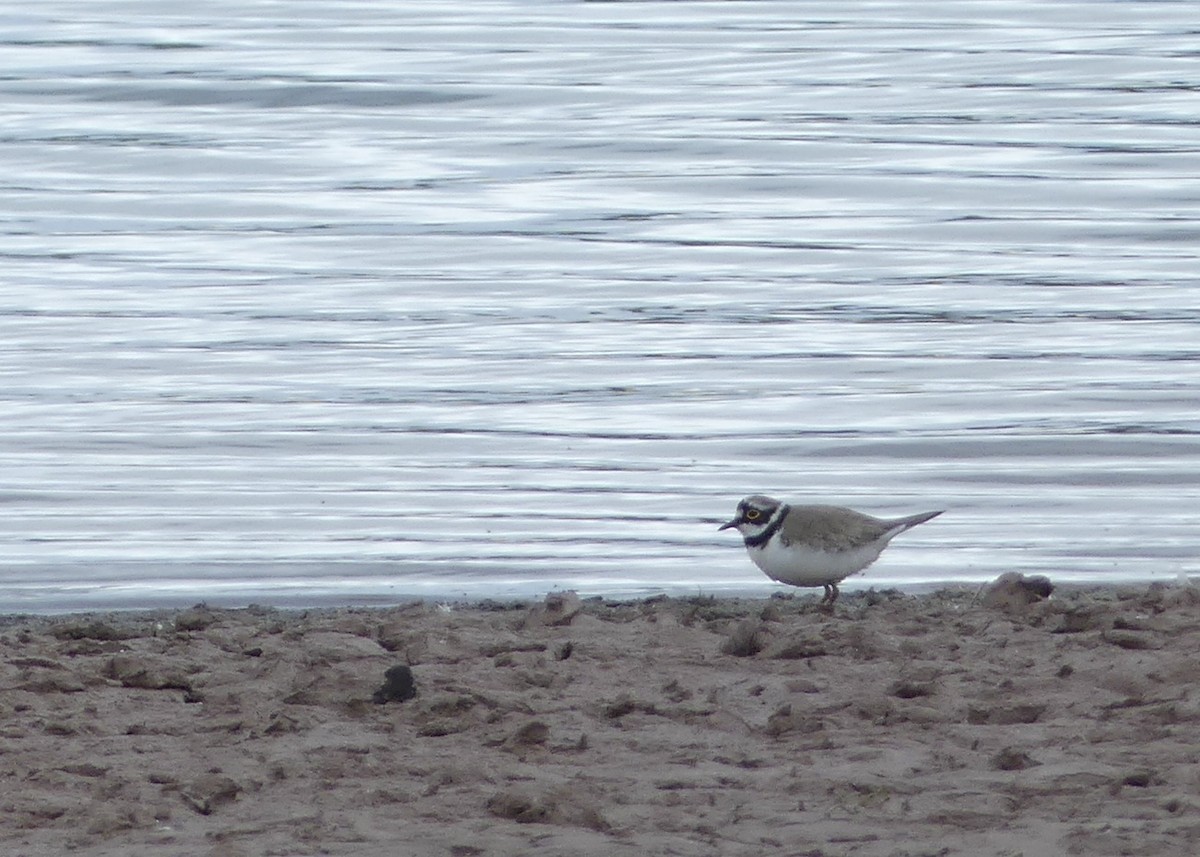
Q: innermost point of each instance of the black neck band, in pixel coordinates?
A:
(772, 528)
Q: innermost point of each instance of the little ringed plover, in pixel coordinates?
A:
(814, 545)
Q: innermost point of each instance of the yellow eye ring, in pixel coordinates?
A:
(752, 514)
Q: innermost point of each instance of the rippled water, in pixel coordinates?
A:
(351, 302)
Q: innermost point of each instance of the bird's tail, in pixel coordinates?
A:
(899, 525)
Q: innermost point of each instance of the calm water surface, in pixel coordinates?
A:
(352, 302)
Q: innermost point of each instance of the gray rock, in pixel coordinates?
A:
(1014, 591)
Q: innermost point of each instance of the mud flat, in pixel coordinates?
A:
(937, 724)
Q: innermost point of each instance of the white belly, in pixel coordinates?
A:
(801, 566)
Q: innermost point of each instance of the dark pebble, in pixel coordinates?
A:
(397, 687)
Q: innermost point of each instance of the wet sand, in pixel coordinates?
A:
(935, 724)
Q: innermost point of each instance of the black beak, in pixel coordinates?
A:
(728, 524)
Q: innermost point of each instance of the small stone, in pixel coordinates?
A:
(1012, 759)
(196, 619)
(398, 686)
(209, 792)
(1014, 591)
(521, 808)
(558, 608)
(785, 720)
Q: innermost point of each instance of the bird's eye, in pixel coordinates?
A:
(752, 514)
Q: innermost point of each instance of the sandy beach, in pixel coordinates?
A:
(938, 724)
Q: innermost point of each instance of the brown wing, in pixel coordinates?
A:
(832, 527)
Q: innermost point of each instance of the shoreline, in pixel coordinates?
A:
(292, 604)
(759, 588)
(939, 723)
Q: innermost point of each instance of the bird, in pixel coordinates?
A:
(814, 545)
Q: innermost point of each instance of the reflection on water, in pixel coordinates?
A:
(359, 304)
